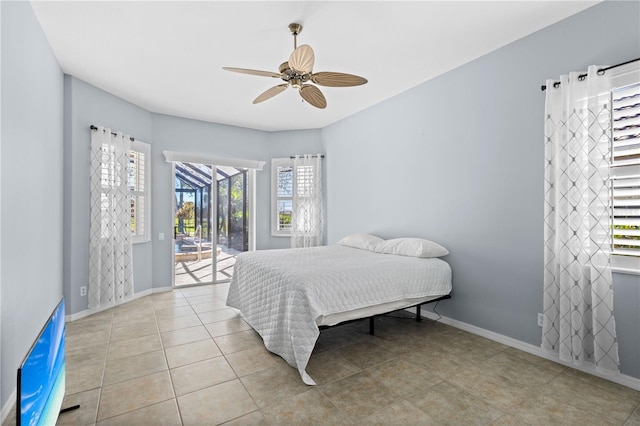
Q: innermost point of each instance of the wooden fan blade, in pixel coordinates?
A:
(337, 79)
(313, 95)
(253, 72)
(270, 93)
(302, 59)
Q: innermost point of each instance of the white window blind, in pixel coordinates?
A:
(139, 185)
(304, 181)
(282, 188)
(625, 171)
(110, 180)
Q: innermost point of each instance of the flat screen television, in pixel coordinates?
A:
(41, 376)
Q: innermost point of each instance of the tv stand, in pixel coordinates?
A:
(73, 407)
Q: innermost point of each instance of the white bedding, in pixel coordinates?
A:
(282, 293)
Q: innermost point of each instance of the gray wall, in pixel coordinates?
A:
(85, 105)
(183, 135)
(32, 188)
(626, 300)
(459, 159)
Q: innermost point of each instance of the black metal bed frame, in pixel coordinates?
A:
(372, 318)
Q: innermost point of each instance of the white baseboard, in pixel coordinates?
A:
(87, 312)
(619, 378)
(8, 406)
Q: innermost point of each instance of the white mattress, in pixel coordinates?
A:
(285, 294)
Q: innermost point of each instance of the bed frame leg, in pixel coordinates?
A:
(371, 319)
(418, 316)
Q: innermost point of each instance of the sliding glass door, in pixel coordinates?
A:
(211, 223)
(232, 218)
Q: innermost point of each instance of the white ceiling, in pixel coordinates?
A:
(167, 56)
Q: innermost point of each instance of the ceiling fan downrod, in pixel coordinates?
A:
(295, 30)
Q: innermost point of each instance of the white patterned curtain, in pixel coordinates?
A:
(110, 260)
(308, 210)
(579, 324)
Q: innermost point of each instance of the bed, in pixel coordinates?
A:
(287, 294)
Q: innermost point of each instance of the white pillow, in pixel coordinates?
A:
(361, 241)
(416, 247)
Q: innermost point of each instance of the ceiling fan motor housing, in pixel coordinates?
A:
(295, 28)
(291, 76)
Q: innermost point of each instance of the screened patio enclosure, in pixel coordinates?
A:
(203, 239)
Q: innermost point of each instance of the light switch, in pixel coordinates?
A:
(161, 236)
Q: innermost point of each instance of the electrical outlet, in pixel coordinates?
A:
(540, 320)
(83, 290)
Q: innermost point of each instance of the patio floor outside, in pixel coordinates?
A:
(201, 272)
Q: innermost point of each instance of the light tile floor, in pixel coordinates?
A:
(183, 357)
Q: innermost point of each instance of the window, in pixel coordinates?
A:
(625, 177)
(284, 181)
(139, 185)
(281, 196)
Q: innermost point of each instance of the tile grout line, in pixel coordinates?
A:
(637, 408)
(226, 360)
(164, 350)
(104, 364)
(106, 360)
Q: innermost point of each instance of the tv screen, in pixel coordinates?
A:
(41, 377)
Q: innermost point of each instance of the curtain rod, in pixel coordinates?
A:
(293, 156)
(92, 127)
(600, 72)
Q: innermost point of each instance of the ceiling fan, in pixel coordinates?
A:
(297, 72)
